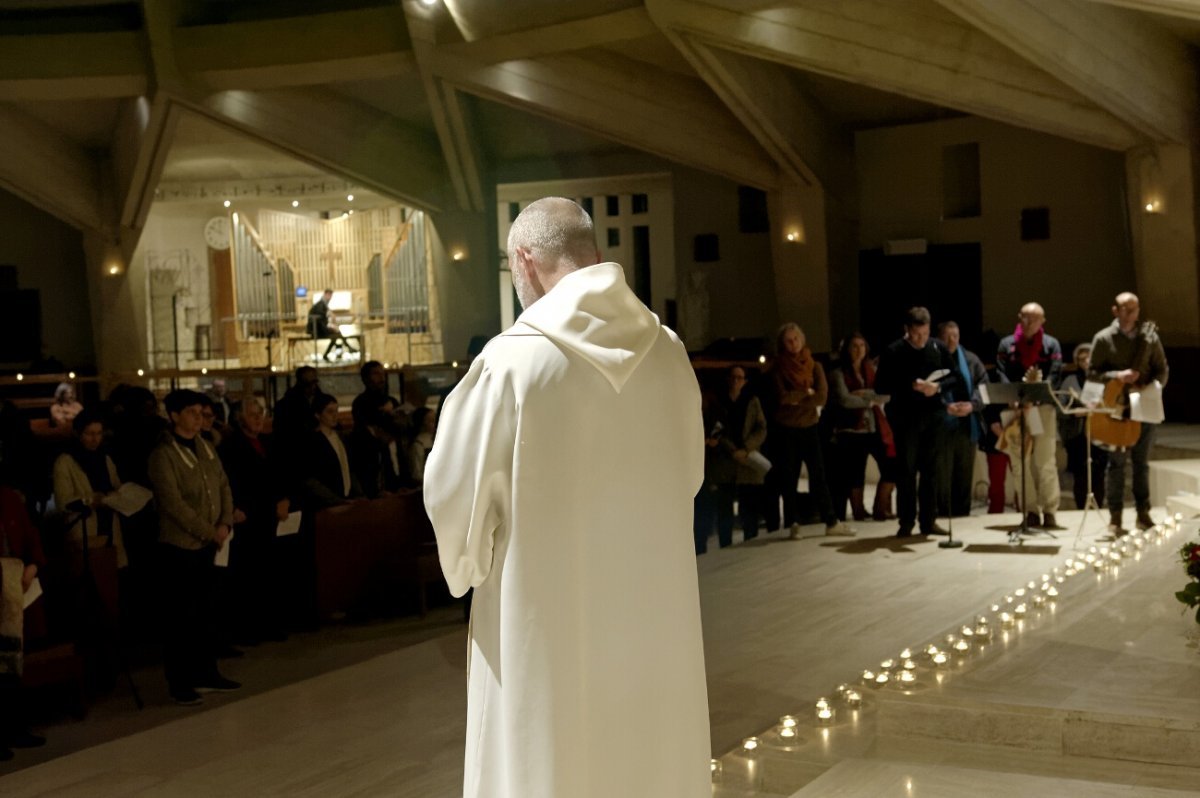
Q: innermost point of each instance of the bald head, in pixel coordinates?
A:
(1031, 317)
(1126, 310)
(549, 239)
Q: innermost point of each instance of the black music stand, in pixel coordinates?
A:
(1020, 395)
(93, 602)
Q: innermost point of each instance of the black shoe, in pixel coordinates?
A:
(186, 697)
(934, 530)
(25, 739)
(1144, 521)
(905, 532)
(1032, 520)
(1049, 521)
(218, 684)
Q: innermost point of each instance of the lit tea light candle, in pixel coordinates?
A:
(1089, 559)
(1020, 610)
(715, 766)
(1039, 600)
(882, 678)
(1052, 592)
(1008, 599)
(1006, 620)
(787, 733)
(906, 654)
(967, 632)
(868, 676)
(962, 646)
(909, 665)
(1020, 592)
(853, 699)
(887, 664)
(931, 649)
(995, 608)
(822, 703)
(908, 677)
(825, 715)
(750, 743)
(1092, 549)
(939, 659)
(788, 721)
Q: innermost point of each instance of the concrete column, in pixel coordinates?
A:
(800, 257)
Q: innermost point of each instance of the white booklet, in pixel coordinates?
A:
(128, 499)
(221, 558)
(33, 592)
(1146, 405)
(290, 526)
(758, 463)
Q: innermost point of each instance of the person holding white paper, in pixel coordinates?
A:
(1031, 354)
(195, 510)
(1132, 352)
(83, 476)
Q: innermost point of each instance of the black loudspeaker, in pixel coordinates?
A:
(706, 248)
(752, 211)
(1035, 224)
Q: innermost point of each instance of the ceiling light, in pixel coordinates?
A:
(349, 198)
(295, 203)
(350, 212)
(226, 203)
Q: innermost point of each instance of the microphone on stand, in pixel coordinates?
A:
(79, 506)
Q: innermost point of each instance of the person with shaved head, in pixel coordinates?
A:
(1031, 354)
(560, 489)
(1131, 351)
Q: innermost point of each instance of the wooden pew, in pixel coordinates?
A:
(372, 553)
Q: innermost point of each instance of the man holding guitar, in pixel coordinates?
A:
(1128, 356)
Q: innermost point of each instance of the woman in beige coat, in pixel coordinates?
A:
(86, 474)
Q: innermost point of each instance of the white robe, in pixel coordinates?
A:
(560, 487)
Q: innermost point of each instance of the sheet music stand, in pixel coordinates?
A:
(1087, 412)
(1022, 394)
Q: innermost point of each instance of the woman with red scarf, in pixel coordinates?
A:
(860, 429)
(795, 392)
(1031, 354)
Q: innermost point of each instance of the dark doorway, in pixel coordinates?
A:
(947, 279)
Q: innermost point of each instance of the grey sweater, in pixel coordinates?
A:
(191, 492)
(1113, 351)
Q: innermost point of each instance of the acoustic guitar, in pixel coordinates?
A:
(1117, 429)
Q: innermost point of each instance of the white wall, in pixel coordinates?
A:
(1075, 274)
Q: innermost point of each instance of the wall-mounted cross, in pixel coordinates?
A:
(332, 256)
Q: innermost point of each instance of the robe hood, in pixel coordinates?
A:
(594, 313)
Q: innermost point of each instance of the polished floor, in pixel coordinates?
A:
(786, 621)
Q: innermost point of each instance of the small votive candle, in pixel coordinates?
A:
(887, 664)
(750, 743)
(931, 649)
(1052, 592)
(715, 767)
(882, 678)
(909, 665)
(906, 654)
(788, 721)
(822, 703)
(995, 608)
(1020, 592)
(868, 676)
(967, 632)
(853, 699)
(1006, 620)
(825, 715)
(1039, 600)
(1008, 599)
(787, 733)
(1020, 610)
(908, 677)
(939, 659)
(962, 646)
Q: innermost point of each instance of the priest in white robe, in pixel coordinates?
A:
(560, 487)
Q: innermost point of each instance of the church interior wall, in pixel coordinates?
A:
(467, 287)
(1075, 273)
(49, 257)
(738, 289)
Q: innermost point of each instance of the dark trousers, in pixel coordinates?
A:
(918, 443)
(188, 610)
(1114, 476)
(798, 447)
(1077, 464)
(850, 452)
(997, 476)
(750, 507)
(958, 473)
(713, 505)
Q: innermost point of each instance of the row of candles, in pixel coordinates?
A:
(1007, 613)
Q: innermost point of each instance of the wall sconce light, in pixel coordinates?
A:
(458, 255)
(1154, 206)
(795, 237)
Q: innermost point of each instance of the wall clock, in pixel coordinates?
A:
(216, 232)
